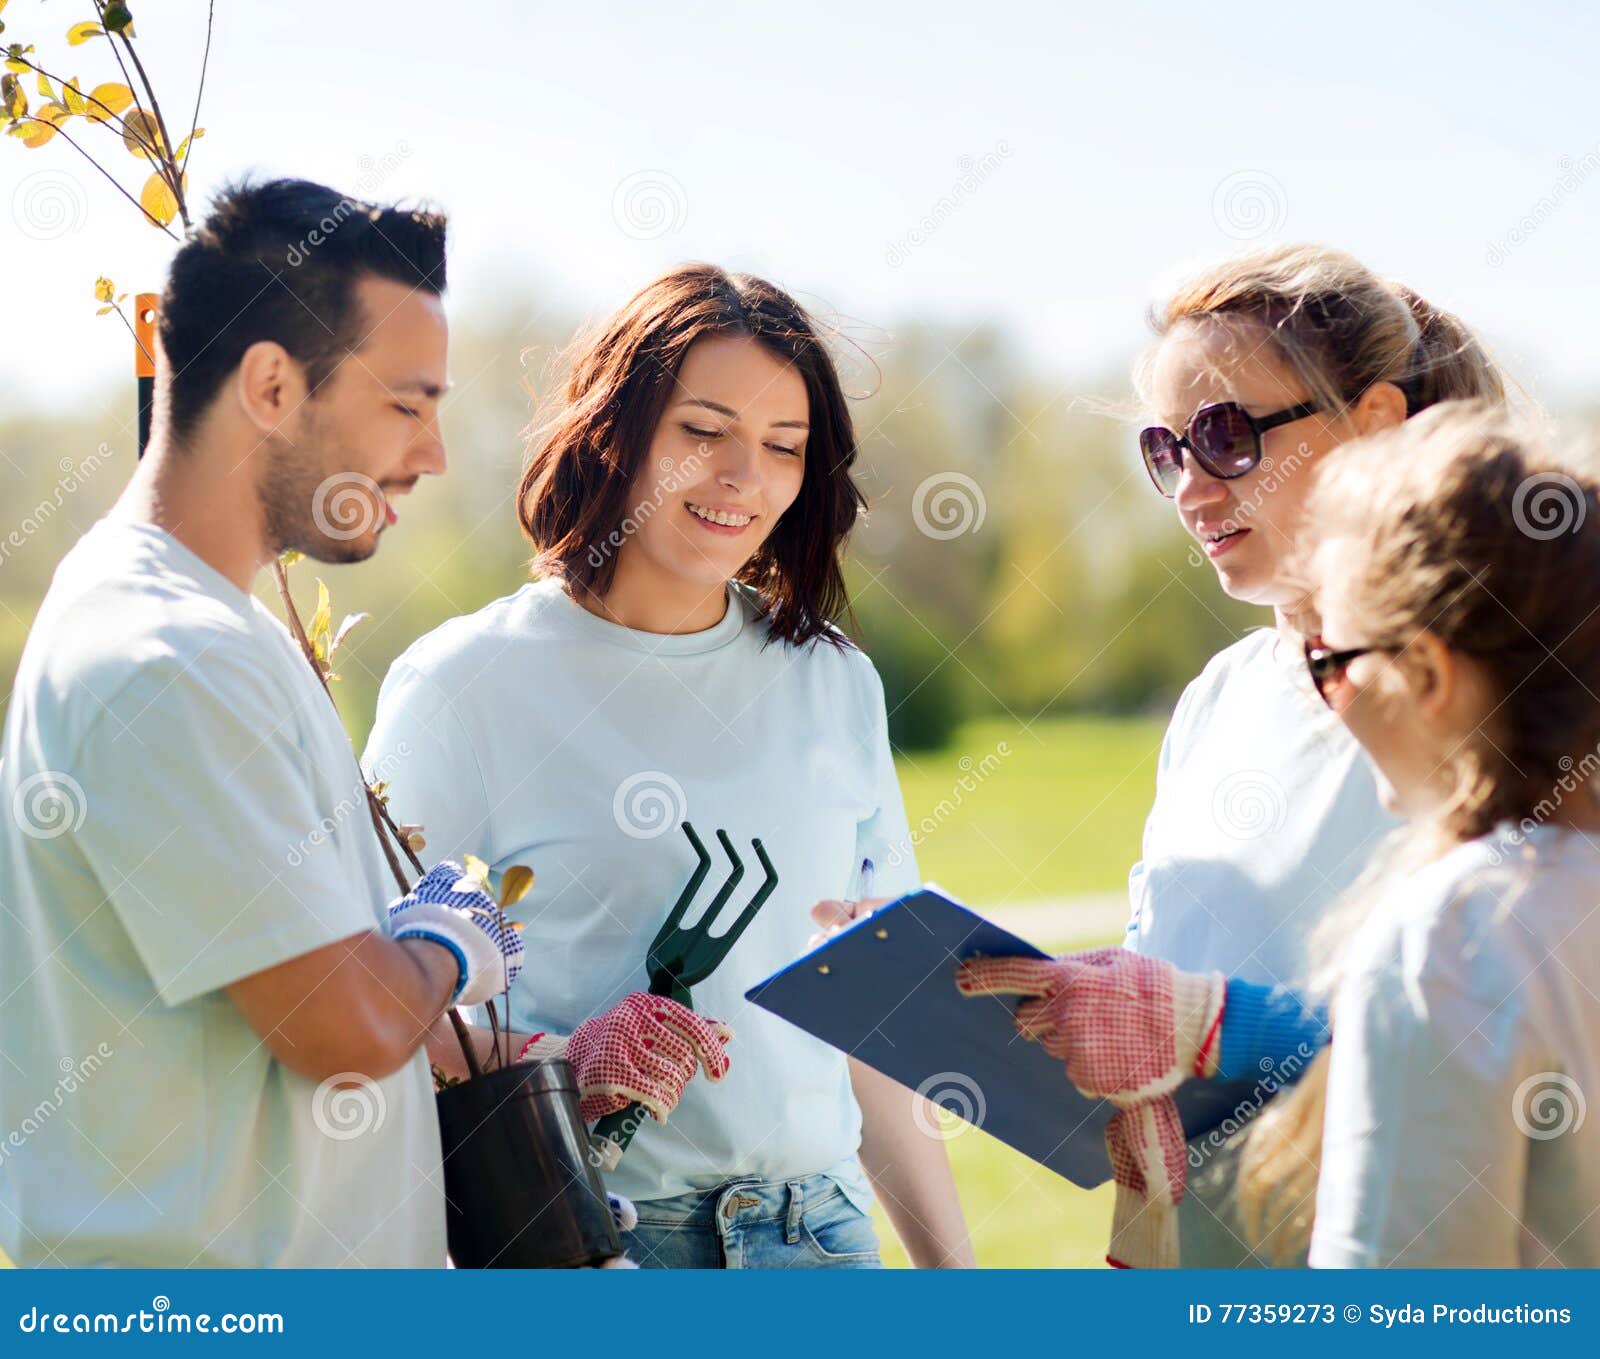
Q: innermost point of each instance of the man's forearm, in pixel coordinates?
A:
(910, 1171)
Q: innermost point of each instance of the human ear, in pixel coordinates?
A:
(1434, 673)
(269, 385)
(1382, 406)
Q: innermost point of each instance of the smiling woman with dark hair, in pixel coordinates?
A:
(687, 496)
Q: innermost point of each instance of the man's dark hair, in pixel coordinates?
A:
(279, 261)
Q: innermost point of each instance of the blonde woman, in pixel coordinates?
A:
(1264, 811)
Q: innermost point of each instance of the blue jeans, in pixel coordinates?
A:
(747, 1224)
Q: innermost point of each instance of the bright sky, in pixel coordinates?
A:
(1085, 159)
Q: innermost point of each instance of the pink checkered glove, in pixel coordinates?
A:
(646, 1050)
(1130, 1029)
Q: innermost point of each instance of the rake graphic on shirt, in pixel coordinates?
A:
(681, 955)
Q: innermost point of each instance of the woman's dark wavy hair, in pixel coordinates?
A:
(585, 454)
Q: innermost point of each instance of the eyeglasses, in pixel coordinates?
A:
(1225, 439)
(1328, 666)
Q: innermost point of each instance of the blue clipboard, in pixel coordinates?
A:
(884, 992)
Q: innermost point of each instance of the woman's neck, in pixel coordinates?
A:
(648, 600)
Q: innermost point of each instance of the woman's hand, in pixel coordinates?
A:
(1127, 1026)
(645, 1050)
(1130, 1029)
(831, 916)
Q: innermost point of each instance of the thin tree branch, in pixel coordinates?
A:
(205, 60)
(380, 813)
(168, 163)
(29, 118)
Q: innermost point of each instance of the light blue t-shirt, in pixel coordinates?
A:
(1266, 810)
(543, 735)
(1465, 1065)
(182, 809)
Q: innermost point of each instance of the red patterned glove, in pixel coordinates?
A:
(645, 1050)
(1130, 1029)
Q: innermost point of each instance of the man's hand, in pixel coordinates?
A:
(449, 909)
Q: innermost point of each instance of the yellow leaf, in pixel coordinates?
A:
(46, 121)
(104, 310)
(321, 620)
(141, 134)
(514, 885)
(79, 34)
(477, 874)
(45, 87)
(73, 97)
(157, 199)
(104, 289)
(183, 146)
(289, 557)
(113, 96)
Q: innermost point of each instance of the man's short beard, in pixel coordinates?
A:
(302, 489)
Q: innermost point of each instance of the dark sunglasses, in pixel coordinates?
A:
(1225, 439)
(1328, 666)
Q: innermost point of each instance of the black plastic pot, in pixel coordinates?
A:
(521, 1189)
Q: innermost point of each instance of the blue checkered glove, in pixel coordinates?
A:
(449, 909)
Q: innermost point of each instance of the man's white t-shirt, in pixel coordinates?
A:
(540, 734)
(182, 809)
(1465, 1060)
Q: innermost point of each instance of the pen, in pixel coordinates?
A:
(864, 881)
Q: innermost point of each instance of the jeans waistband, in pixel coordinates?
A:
(751, 1200)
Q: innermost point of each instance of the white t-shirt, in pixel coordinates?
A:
(1466, 1051)
(541, 734)
(1266, 810)
(183, 809)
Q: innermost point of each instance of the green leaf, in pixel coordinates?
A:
(73, 98)
(79, 34)
(45, 88)
(118, 18)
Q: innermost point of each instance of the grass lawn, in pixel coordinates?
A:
(1060, 810)
(1060, 814)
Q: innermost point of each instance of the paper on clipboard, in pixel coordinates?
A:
(884, 991)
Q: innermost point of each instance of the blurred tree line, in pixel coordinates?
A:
(1015, 558)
